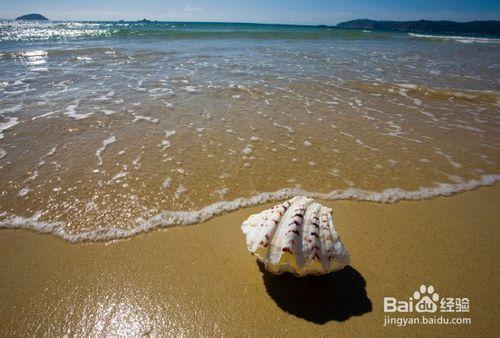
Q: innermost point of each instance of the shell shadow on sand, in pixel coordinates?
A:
(319, 299)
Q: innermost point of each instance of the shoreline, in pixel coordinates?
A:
(168, 219)
(201, 279)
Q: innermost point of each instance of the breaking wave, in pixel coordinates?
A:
(462, 39)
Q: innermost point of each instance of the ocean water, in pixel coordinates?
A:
(110, 129)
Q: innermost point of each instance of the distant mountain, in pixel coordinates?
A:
(31, 17)
(473, 27)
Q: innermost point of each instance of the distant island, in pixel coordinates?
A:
(452, 27)
(33, 16)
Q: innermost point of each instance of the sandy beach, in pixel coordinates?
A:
(201, 280)
(136, 138)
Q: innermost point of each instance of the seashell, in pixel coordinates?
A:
(296, 236)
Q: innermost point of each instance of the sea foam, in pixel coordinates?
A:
(11, 122)
(462, 39)
(99, 151)
(183, 218)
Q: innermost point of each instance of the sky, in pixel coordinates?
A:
(315, 12)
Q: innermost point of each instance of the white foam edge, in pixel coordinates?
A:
(183, 218)
(458, 38)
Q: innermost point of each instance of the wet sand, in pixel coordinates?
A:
(201, 280)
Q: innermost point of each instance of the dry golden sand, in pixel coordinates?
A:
(201, 279)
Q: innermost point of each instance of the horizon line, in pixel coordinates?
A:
(238, 22)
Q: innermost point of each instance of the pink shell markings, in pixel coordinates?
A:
(296, 236)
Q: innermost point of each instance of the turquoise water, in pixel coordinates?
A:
(284, 48)
(60, 30)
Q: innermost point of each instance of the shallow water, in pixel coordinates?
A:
(111, 129)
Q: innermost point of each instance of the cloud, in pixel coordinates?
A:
(191, 10)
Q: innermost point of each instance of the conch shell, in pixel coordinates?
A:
(296, 236)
